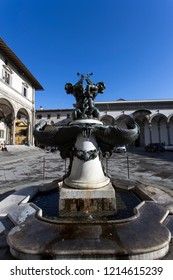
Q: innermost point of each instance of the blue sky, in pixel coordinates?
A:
(128, 44)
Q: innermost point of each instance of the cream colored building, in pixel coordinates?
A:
(17, 97)
(155, 118)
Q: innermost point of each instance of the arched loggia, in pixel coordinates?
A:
(6, 121)
(22, 125)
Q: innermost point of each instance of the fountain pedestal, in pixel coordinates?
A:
(87, 189)
(76, 202)
(87, 170)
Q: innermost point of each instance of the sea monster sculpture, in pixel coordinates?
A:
(64, 137)
(84, 107)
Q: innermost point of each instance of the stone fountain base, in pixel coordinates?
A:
(141, 236)
(94, 201)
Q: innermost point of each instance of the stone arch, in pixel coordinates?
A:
(141, 117)
(170, 129)
(22, 125)
(159, 128)
(170, 118)
(139, 141)
(7, 113)
(147, 132)
(157, 116)
(141, 114)
(23, 113)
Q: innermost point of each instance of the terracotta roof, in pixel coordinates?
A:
(10, 55)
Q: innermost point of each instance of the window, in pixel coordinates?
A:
(1, 133)
(7, 74)
(24, 89)
(48, 116)
(6, 77)
(39, 116)
(68, 116)
(58, 116)
(24, 92)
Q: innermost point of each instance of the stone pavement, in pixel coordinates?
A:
(23, 166)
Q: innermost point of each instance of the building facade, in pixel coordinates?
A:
(154, 117)
(17, 98)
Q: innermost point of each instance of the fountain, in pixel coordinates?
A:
(86, 226)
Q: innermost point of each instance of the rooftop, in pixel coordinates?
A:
(10, 55)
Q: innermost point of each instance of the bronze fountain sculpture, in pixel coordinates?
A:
(73, 140)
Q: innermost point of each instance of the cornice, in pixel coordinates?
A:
(135, 104)
(18, 64)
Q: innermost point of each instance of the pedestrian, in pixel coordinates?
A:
(4, 148)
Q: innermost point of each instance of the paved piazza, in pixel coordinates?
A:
(23, 166)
